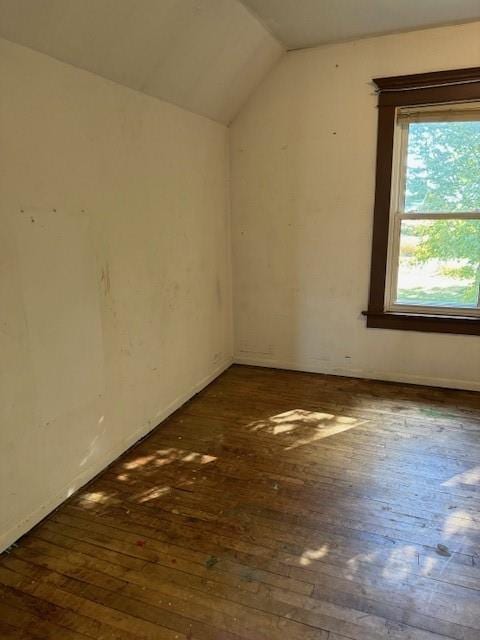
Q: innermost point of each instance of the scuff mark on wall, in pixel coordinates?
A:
(105, 279)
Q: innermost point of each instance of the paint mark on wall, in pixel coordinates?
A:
(105, 279)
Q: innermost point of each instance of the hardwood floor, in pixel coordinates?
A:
(274, 505)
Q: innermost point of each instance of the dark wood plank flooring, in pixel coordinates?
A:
(274, 505)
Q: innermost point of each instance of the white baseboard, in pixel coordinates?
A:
(20, 528)
(368, 374)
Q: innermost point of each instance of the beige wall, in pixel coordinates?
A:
(303, 157)
(114, 273)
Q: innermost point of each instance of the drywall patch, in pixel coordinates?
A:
(62, 310)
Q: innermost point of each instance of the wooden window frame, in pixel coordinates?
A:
(436, 88)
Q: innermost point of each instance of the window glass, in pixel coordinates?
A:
(439, 263)
(443, 167)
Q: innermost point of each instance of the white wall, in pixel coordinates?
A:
(114, 273)
(303, 161)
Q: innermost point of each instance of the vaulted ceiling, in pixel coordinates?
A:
(205, 55)
(306, 23)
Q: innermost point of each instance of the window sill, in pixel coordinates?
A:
(420, 322)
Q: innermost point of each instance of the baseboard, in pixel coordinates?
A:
(20, 528)
(368, 374)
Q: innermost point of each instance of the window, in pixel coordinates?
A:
(434, 252)
(426, 245)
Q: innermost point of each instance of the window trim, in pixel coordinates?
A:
(434, 88)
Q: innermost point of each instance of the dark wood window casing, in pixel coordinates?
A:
(435, 88)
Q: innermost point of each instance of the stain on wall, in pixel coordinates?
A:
(113, 230)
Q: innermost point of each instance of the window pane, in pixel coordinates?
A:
(439, 263)
(443, 167)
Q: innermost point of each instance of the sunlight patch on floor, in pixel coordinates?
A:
(428, 565)
(180, 455)
(138, 462)
(396, 568)
(152, 494)
(355, 563)
(313, 554)
(470, 477)
(305, 426)
(96, 497)
(164, 457)
(459, 522)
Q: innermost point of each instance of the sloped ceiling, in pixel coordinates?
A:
(306, 23)
(203, 55)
